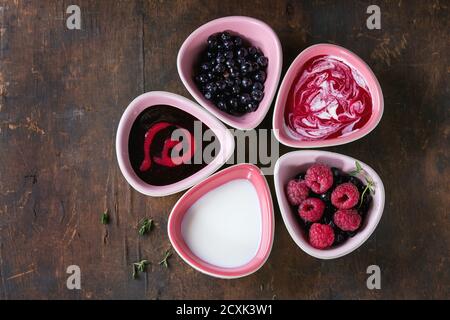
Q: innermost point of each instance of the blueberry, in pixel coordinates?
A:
(339, 237)
(232, 103)
(202, 78)
(221, 105)
(220, 58)
(365, 206)
(262, 61)
(252, 51)
(236, 89)
(358, 183)
(257, 86)
(210, 75)
(225, 36)
(219, 68)
(241, 60)
(257, 95)
(219, 97)
(230, 63)
(228, 44)
(336, 172)
(257, 54)
(260, 76)
(221, 85)
(229, 82)
(205, 66)
(242, 52)
(246, 67)
(234, 72)
(245, 99)
(251, 106)
(227, 92)
(246, 82)
(228, 54)
(351, 234)
(237, 41)
(220, 47)
(301, 175)
(212, 42)
(208, 95)
(326, 197)
(211, 87)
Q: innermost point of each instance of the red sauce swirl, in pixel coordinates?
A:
(328, 99)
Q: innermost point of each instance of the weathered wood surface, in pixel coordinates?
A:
(62, 93)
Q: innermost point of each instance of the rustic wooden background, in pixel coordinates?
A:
(62, 94)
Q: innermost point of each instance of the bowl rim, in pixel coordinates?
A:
(284, 90)
(286, 210)
(258, 260)
(229, 119)
(127, 119)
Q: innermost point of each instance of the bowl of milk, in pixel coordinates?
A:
(224, 226)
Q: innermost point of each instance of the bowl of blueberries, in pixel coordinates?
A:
(232, 66)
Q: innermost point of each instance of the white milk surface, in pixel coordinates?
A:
(223, 227)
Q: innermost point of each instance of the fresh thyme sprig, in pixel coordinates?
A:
(146, 226)
(164, 261)
(358, 169)
(105, 217)
(139, 267)
(370, 186)
(370, 183)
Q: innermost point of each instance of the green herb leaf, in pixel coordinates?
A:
(146, 226)
(358, 169)
(164, 261)
(105, 217)
(139, 267)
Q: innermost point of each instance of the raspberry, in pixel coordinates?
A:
(345, 196)
(347, 220)
(297, 191)
(311, 209)
(321, 236)
(319, 178)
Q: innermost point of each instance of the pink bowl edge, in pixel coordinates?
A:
(279, 110)
(227, 145)
(286, 210)
(257, 262)
(225, 118)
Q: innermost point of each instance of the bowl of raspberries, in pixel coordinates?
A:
(330, 203)
(232, 67)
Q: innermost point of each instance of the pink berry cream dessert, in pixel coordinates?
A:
(330, 204)
(328, 99)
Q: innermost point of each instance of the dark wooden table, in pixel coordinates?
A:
(63, 92)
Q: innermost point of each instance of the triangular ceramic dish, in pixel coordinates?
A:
(247, 172)
(283, 132)
(291, 164)
(154, 98)
(253, 30)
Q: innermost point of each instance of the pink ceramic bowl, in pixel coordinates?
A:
(239, 171)
(284, 134)
(292, 163)
(253, 30)
(149, 99)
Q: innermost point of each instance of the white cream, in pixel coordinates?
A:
(223, 227)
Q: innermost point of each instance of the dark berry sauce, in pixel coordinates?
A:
(150, 145)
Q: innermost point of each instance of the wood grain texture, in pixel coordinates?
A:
(62, 94)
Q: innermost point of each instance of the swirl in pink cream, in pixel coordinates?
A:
(328, 99)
